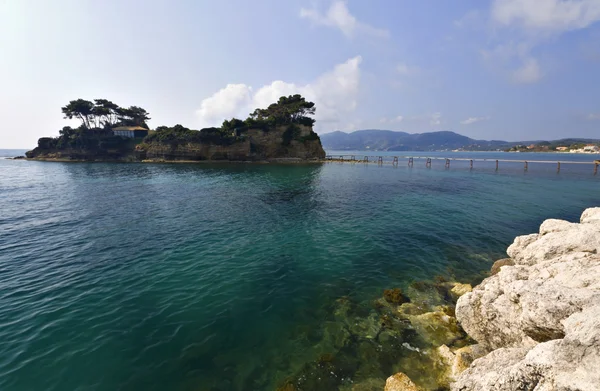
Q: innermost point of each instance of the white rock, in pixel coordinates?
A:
(591, 215)
(542, 315)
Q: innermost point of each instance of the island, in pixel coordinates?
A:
(283, 132)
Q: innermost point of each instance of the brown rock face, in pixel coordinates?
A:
(282, 143)
(257, 145)
(400, 382)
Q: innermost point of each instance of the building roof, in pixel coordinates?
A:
(129, 128)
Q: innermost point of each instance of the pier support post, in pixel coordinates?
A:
(471, 164)
(410, 161)
(428, 162)
(596, 168)
(558, 167)
(526, 165)
(496, 165)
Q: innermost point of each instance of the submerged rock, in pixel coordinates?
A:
(437, 328)
(400, 382)
(460, 289)
(395, 296)
(541, 316)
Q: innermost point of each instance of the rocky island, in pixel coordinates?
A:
(283, 132)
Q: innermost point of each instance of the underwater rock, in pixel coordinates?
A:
(454, 362)
(460, 289)
(400, 382)
(499, 263)
(335, 336)
(437, 328)
(371, 384)
(343, 306)
(412, 309)
(368, 327)
(395, 296)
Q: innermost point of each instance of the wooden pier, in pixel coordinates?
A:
(395, 161)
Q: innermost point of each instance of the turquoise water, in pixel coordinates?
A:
(221, 277)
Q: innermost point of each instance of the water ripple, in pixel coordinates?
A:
(129, 277)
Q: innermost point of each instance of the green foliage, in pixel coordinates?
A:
(133, 116)
(291, 133)
(179, 134)
(293, 109)
(311, 136)
(81, 109)
(233, 124)
(83, 138)
(103, 113)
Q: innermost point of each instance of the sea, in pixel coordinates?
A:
(231, 276)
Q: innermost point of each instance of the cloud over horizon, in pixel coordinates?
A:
(472, 120)
(335, 94)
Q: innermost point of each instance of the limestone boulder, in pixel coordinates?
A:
(541, 317)
(400, 382)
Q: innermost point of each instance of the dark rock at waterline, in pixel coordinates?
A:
(499, 263)
(18, 157)
(395, 296)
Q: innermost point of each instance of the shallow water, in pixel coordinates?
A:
(222, 277)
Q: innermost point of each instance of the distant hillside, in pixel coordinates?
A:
(388, 140)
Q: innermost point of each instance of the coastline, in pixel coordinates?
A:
(535, 320)
(164, 161)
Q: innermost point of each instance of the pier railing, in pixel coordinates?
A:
(410, 160)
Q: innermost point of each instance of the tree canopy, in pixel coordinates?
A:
(102, 113)
(293, 109)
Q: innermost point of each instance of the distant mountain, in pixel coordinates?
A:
(389, 140)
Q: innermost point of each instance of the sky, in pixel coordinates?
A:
(499, 69)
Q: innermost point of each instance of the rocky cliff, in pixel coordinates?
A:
(282, 143)
(538, 317)
(277, 144)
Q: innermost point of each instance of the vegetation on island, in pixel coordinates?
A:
(289, 111)
(98, 119)
(101, 118)
(104, 114)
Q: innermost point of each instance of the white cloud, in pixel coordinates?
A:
(436, 119)
(404, 69)
(547, 15)
(225, 103)
(472, 120)
(338, 16)
(335, 95)
(530, 23)
(593, 117)
(530, 72)
(397, 119)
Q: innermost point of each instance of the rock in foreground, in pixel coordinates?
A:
(539, 318)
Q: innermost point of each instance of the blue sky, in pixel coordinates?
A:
(501, 69)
